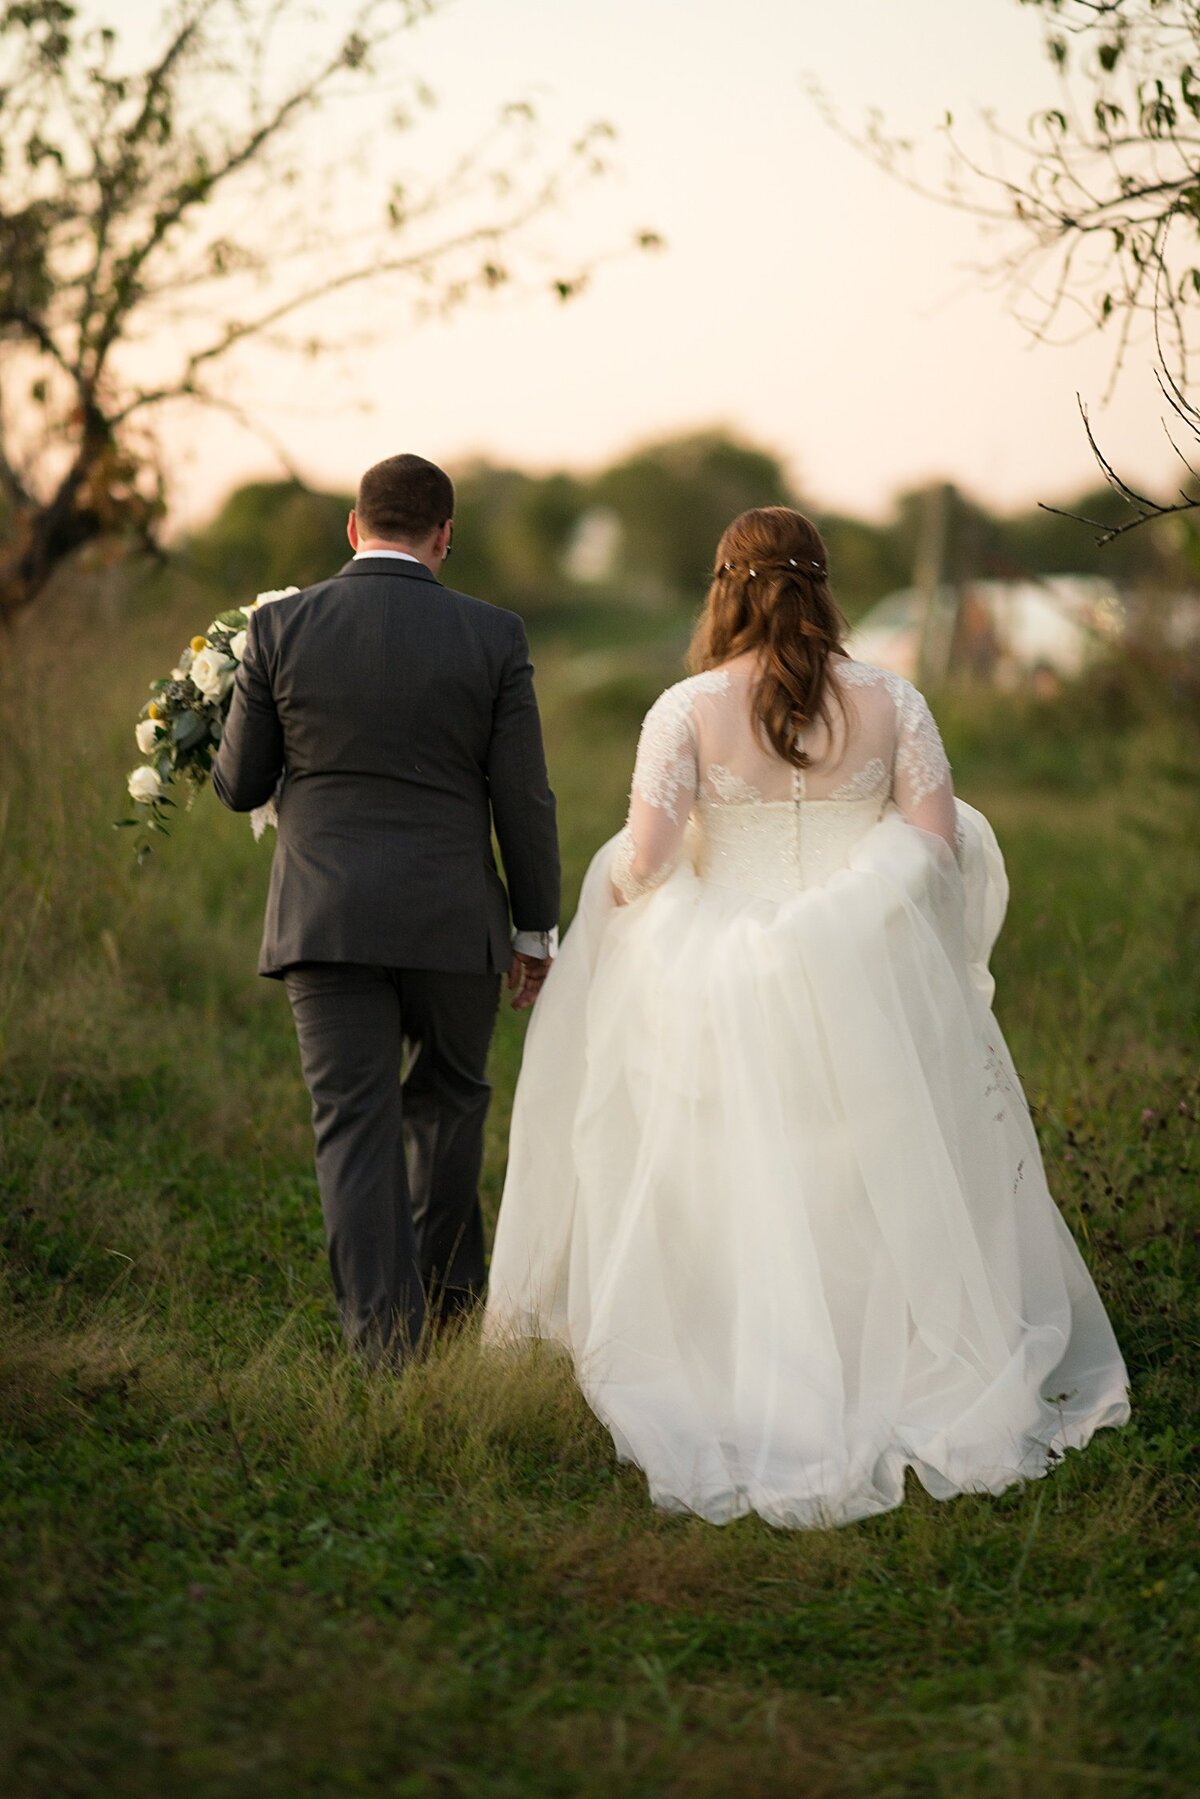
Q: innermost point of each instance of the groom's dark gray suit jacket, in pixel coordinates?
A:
(405, 717)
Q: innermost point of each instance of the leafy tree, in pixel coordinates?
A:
(866, 560)
(512, 531)
(168, 199)
(1035, 541)
(272, 534)
(1047, 541)
(675, 497)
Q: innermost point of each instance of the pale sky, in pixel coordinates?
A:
(804, 298)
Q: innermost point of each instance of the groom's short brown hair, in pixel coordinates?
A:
(403, 498)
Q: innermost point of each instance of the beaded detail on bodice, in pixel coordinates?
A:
(774, 848)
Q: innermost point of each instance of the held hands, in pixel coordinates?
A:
(525, 979)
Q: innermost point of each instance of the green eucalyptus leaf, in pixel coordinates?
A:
(188, 730)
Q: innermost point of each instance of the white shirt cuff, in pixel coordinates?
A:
(536, 943)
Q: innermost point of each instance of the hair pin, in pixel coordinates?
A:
(818, 568)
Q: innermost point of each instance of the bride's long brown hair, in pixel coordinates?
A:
(770, 593)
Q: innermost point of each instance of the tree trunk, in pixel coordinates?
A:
(43, 537)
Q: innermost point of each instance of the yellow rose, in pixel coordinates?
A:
(199, 643)
(155, 711)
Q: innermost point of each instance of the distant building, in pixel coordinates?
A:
(594, 550)
(1007, 633)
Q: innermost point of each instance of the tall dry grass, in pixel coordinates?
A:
(237, 1562)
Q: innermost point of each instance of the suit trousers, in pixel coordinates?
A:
(395, 1063)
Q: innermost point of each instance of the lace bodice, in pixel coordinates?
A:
(707, 783)
(772, 847)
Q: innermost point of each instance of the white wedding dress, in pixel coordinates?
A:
(773, 1181)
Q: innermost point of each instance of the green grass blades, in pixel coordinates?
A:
(236, 1563)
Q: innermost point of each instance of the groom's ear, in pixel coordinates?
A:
(352, 529)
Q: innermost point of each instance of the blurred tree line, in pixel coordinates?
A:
(641, 533)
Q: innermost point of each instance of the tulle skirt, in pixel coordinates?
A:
(774, 1186)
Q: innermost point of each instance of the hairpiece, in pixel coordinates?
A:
(809, 566)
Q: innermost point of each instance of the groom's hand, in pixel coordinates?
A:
(525, 979)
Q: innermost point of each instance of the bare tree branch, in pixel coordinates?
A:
(120, 195)
(256, 426)
(1114, 168)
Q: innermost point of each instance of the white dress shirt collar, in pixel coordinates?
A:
(401, 555)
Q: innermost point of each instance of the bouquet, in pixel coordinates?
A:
(180, 726)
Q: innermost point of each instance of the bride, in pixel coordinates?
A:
(773, 1181)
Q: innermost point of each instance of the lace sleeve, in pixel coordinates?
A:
(664, 787)
(921, 783)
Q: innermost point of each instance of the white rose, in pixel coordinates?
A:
(148, 733)
(272, 593)
(237, 645)
(213, 673)
(145, 786)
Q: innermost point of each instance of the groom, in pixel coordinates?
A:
(401, 716)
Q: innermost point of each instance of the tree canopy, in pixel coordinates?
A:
(517, 534)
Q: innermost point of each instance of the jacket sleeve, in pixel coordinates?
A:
(522, 803)
(250, 759)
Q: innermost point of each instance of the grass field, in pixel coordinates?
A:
(235, 1563)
